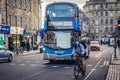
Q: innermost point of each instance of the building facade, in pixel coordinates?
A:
(23, 14)
(103, 15)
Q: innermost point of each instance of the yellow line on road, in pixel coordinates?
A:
(106, 63)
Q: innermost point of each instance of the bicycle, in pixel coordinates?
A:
(21, 50)
(78, 66)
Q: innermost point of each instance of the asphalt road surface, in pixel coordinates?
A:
(32, 67)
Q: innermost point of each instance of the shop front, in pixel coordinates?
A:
(4, 31)
(32, 38)
(15, 37)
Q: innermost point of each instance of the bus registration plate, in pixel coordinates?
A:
(59, 58)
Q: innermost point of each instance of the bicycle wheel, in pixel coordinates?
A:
(76, 70)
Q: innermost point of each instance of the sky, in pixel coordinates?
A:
(79, 2)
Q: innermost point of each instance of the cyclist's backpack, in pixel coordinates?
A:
(83, 44)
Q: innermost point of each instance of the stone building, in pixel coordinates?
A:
(103, 15)
(23, 14)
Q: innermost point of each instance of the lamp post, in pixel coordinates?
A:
(115, 43)
(97, 29)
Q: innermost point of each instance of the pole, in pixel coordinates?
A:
(6, 11)
(16, 45)
(115, 47)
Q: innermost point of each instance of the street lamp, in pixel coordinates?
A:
(115, 43)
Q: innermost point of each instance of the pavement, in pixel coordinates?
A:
(114, 67)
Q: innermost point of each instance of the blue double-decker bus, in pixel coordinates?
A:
(62, 25)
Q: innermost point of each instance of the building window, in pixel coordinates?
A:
(97, 6)
(101, 21)
(118, 5)
(111, 6)
(111, 29)
(93, 21)
(111, 21)
(106, 29)
(106, 13)
(101, 13)
(101, 6)
(24, 4)
(9, 20)
(29, 5)
(20, 3)
(21, 21)
(106, 6)
(8, 2)
(15, 21)
(96, 13)
(106, 21)
(15, 3)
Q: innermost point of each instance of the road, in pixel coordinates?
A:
(32, 67)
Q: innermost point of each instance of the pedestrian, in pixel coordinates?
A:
(5, 45)
(28, 45)
(23, 44)
(118, 44)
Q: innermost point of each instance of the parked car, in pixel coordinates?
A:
(94, 45)
(5, 55)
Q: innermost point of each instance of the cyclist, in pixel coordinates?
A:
(80, 50)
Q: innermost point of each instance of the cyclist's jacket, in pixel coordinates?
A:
(80, 49)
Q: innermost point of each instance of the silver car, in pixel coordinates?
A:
(5, 55)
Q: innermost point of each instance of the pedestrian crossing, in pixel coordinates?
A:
(39, 64)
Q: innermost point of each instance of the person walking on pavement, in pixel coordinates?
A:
(118, 44)
(23, 44)
(28, 45)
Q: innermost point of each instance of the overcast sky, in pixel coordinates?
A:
(80, 2)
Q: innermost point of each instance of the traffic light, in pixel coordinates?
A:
(118, 23)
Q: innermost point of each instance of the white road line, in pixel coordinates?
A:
(33, 75)
(12, 64)
(21, 64)
(28, 61)
(93, 69)
(66, 67)
(18, 61)
(55, 66)
(32, 65)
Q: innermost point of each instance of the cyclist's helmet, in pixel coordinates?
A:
(74, 44)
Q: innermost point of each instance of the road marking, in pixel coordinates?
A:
(101, 66)
(28, 61)
(106, 63)
(55, 66)
(32, 65)
(66, 67)
(18, 61)
(93, 69)
(89, 65)
(37, 61)
(21, 64)
(33, 75)
(12, 64)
